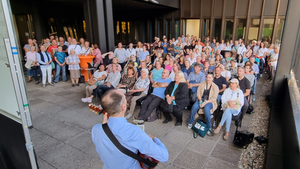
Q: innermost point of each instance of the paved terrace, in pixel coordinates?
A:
(62, 134)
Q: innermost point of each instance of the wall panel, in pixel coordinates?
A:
(256, 6)
(196, 8)
(218, 8)
(270, 8)
(186, 8)
(242, 8)
(206, 8)
(283, 7)
(229, 8)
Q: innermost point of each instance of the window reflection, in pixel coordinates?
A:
(206, 28)
(229, 29)
(253, 29)
(241, 28)
(279, 31)
(267, 30)
(217, 29)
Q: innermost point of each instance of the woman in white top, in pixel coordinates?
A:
(139, 48)
(261, 51)
(192, 58)
(176, 68)
(86, 49)
(232, 103)
(98, 79)
(222, 45)
(31, 56)
(227, 47)
(225, 73)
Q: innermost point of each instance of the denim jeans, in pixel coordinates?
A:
(254, 85)
(207, 108)
(64, 76)
(227, 116)
(219, 99)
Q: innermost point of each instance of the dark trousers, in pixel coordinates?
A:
(148, 105)
(122, 65)
(101, 89)
(245, 106)
(164, 107)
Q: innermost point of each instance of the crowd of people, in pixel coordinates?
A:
(174, 75)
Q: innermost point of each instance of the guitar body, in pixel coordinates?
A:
(144, 166)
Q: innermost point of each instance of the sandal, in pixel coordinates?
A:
(217, 130)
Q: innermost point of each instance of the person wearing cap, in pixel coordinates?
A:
(232, 102)
(194, 80)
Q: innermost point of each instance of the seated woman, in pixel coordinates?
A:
(176, 68)
(132, 58)
(181, 62)
(232, 103)
(187, 69)
(192, 58)
(130, 64)
(170, 65)
(142, 66)
(96, 79)
(148, 62)
(127, 80)
(156, 72)
(139, 90)
(240, 61)
(207, 94)
(115, 60)
(111, 82)
(177, 98)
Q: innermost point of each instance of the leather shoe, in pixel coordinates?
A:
(178, 124)
(167, 121)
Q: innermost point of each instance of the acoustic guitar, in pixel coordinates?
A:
(145, 166)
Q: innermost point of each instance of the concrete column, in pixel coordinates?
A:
(109, 25)
(101, 26)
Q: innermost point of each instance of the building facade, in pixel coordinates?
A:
(108, 22)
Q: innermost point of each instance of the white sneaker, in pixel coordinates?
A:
(190, 126)
(128, 116)
(86, 100)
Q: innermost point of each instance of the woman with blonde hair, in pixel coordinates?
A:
(177, 98)
(232, 103)
(115, 60)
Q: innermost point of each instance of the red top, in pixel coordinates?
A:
(52, 49)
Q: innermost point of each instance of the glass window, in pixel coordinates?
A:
(137, 31)
(217, 29)
(268, 30)
(192, 27)
(241, 28)
(124, 31)
(229, 29)
(144, 31)
(169, 29)
(206, 28)
(177, 27)
(279, 31)
(253, 29)
(158, 29)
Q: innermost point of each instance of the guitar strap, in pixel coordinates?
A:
(124, 150)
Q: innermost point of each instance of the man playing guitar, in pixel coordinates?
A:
(129, 136)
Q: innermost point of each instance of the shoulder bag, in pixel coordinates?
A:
(145, 161)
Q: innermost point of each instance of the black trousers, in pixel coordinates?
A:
(122, 65)
(245, 106)
(165, 108)
(101, 89)
(148, 105)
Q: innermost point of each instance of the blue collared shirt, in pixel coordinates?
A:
(131, 137)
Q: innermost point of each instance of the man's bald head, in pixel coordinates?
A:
(112, 101)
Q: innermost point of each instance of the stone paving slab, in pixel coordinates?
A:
(62, 139)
